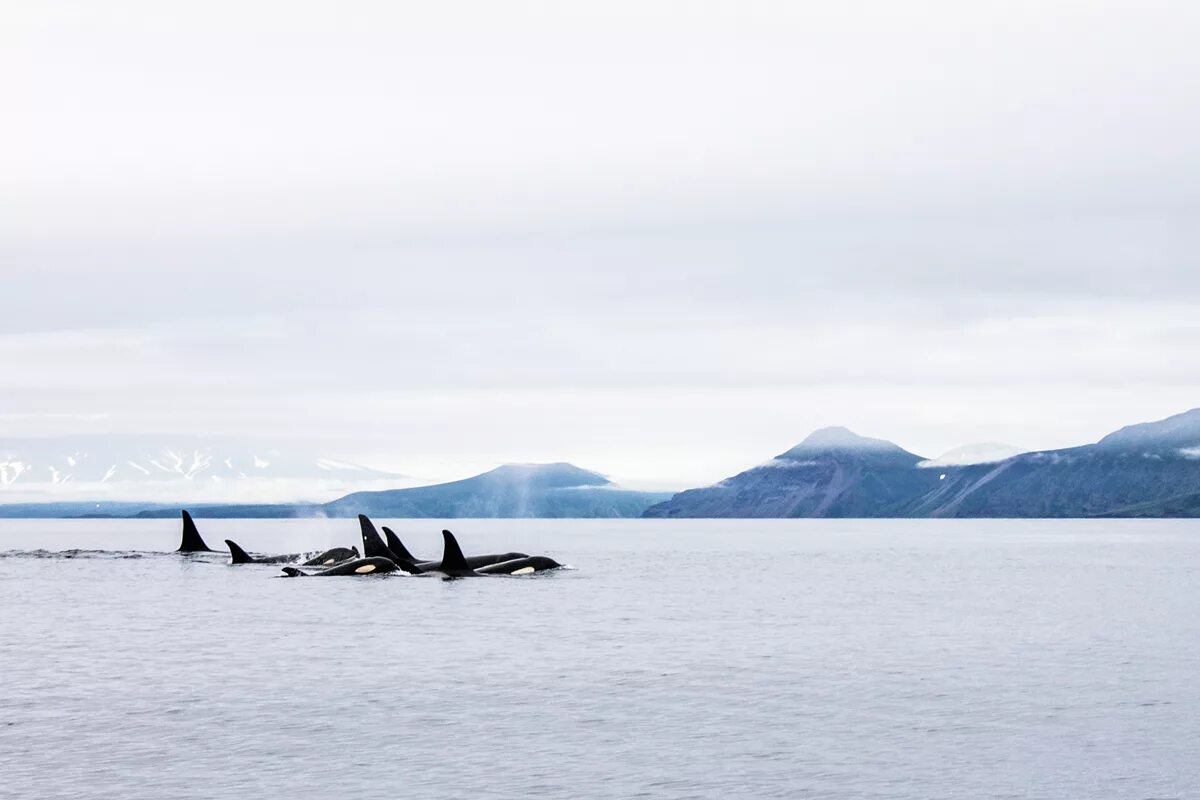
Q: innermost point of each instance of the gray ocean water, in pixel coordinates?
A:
(708, 659)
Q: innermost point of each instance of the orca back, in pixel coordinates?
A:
(191, 541)
(332, 556)
(376, 565)
(475, 562)
(521, 566)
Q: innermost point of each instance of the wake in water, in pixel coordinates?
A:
(110, 554)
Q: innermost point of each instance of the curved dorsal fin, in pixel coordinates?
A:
(191, 541)
(372, 543)
(373, 546)
(396, 546)
(239, 555)
(453, 559)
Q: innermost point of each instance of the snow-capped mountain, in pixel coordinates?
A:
(145, 467)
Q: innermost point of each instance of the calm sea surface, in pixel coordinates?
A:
(708, 659)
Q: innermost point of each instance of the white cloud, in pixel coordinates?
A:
(659, 240)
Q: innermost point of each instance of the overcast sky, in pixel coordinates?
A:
(660, 240)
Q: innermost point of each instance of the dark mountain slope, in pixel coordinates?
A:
(832, 473)
(1151, 469)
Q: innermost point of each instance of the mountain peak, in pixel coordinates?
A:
(839, 439)
(556, 475)
(843, 441)
(838, 436)
(510, 490)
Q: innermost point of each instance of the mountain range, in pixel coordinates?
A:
(174, 468)
(513, 490)
(1145, 470)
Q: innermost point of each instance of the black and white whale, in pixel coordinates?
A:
(328, 558)
(474, 562)
(455, 565)
(520, 566)
(373, 547)
(359, 566)
(192, 541)
(333, 556)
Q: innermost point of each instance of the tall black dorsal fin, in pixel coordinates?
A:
(239, 555)
(453, 559)
(191, 542)
(373, 546)
(372, 543)
(396, 546)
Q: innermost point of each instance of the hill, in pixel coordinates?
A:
(513, 490)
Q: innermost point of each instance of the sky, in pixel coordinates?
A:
(664, 241)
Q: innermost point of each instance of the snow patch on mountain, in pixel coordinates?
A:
(787, 463)
(148, 467)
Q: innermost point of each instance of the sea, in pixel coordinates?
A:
(830, 659)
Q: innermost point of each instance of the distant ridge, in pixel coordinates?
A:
(157, 468)
(1178, 431)
(513, 490)
(1146, 470)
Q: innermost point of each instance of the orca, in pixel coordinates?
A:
(455, 564)
(332, 556)
(191, 541)
(328, 558)
(520, 566)
(359, 566)
(474, 562)
(373, 547)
